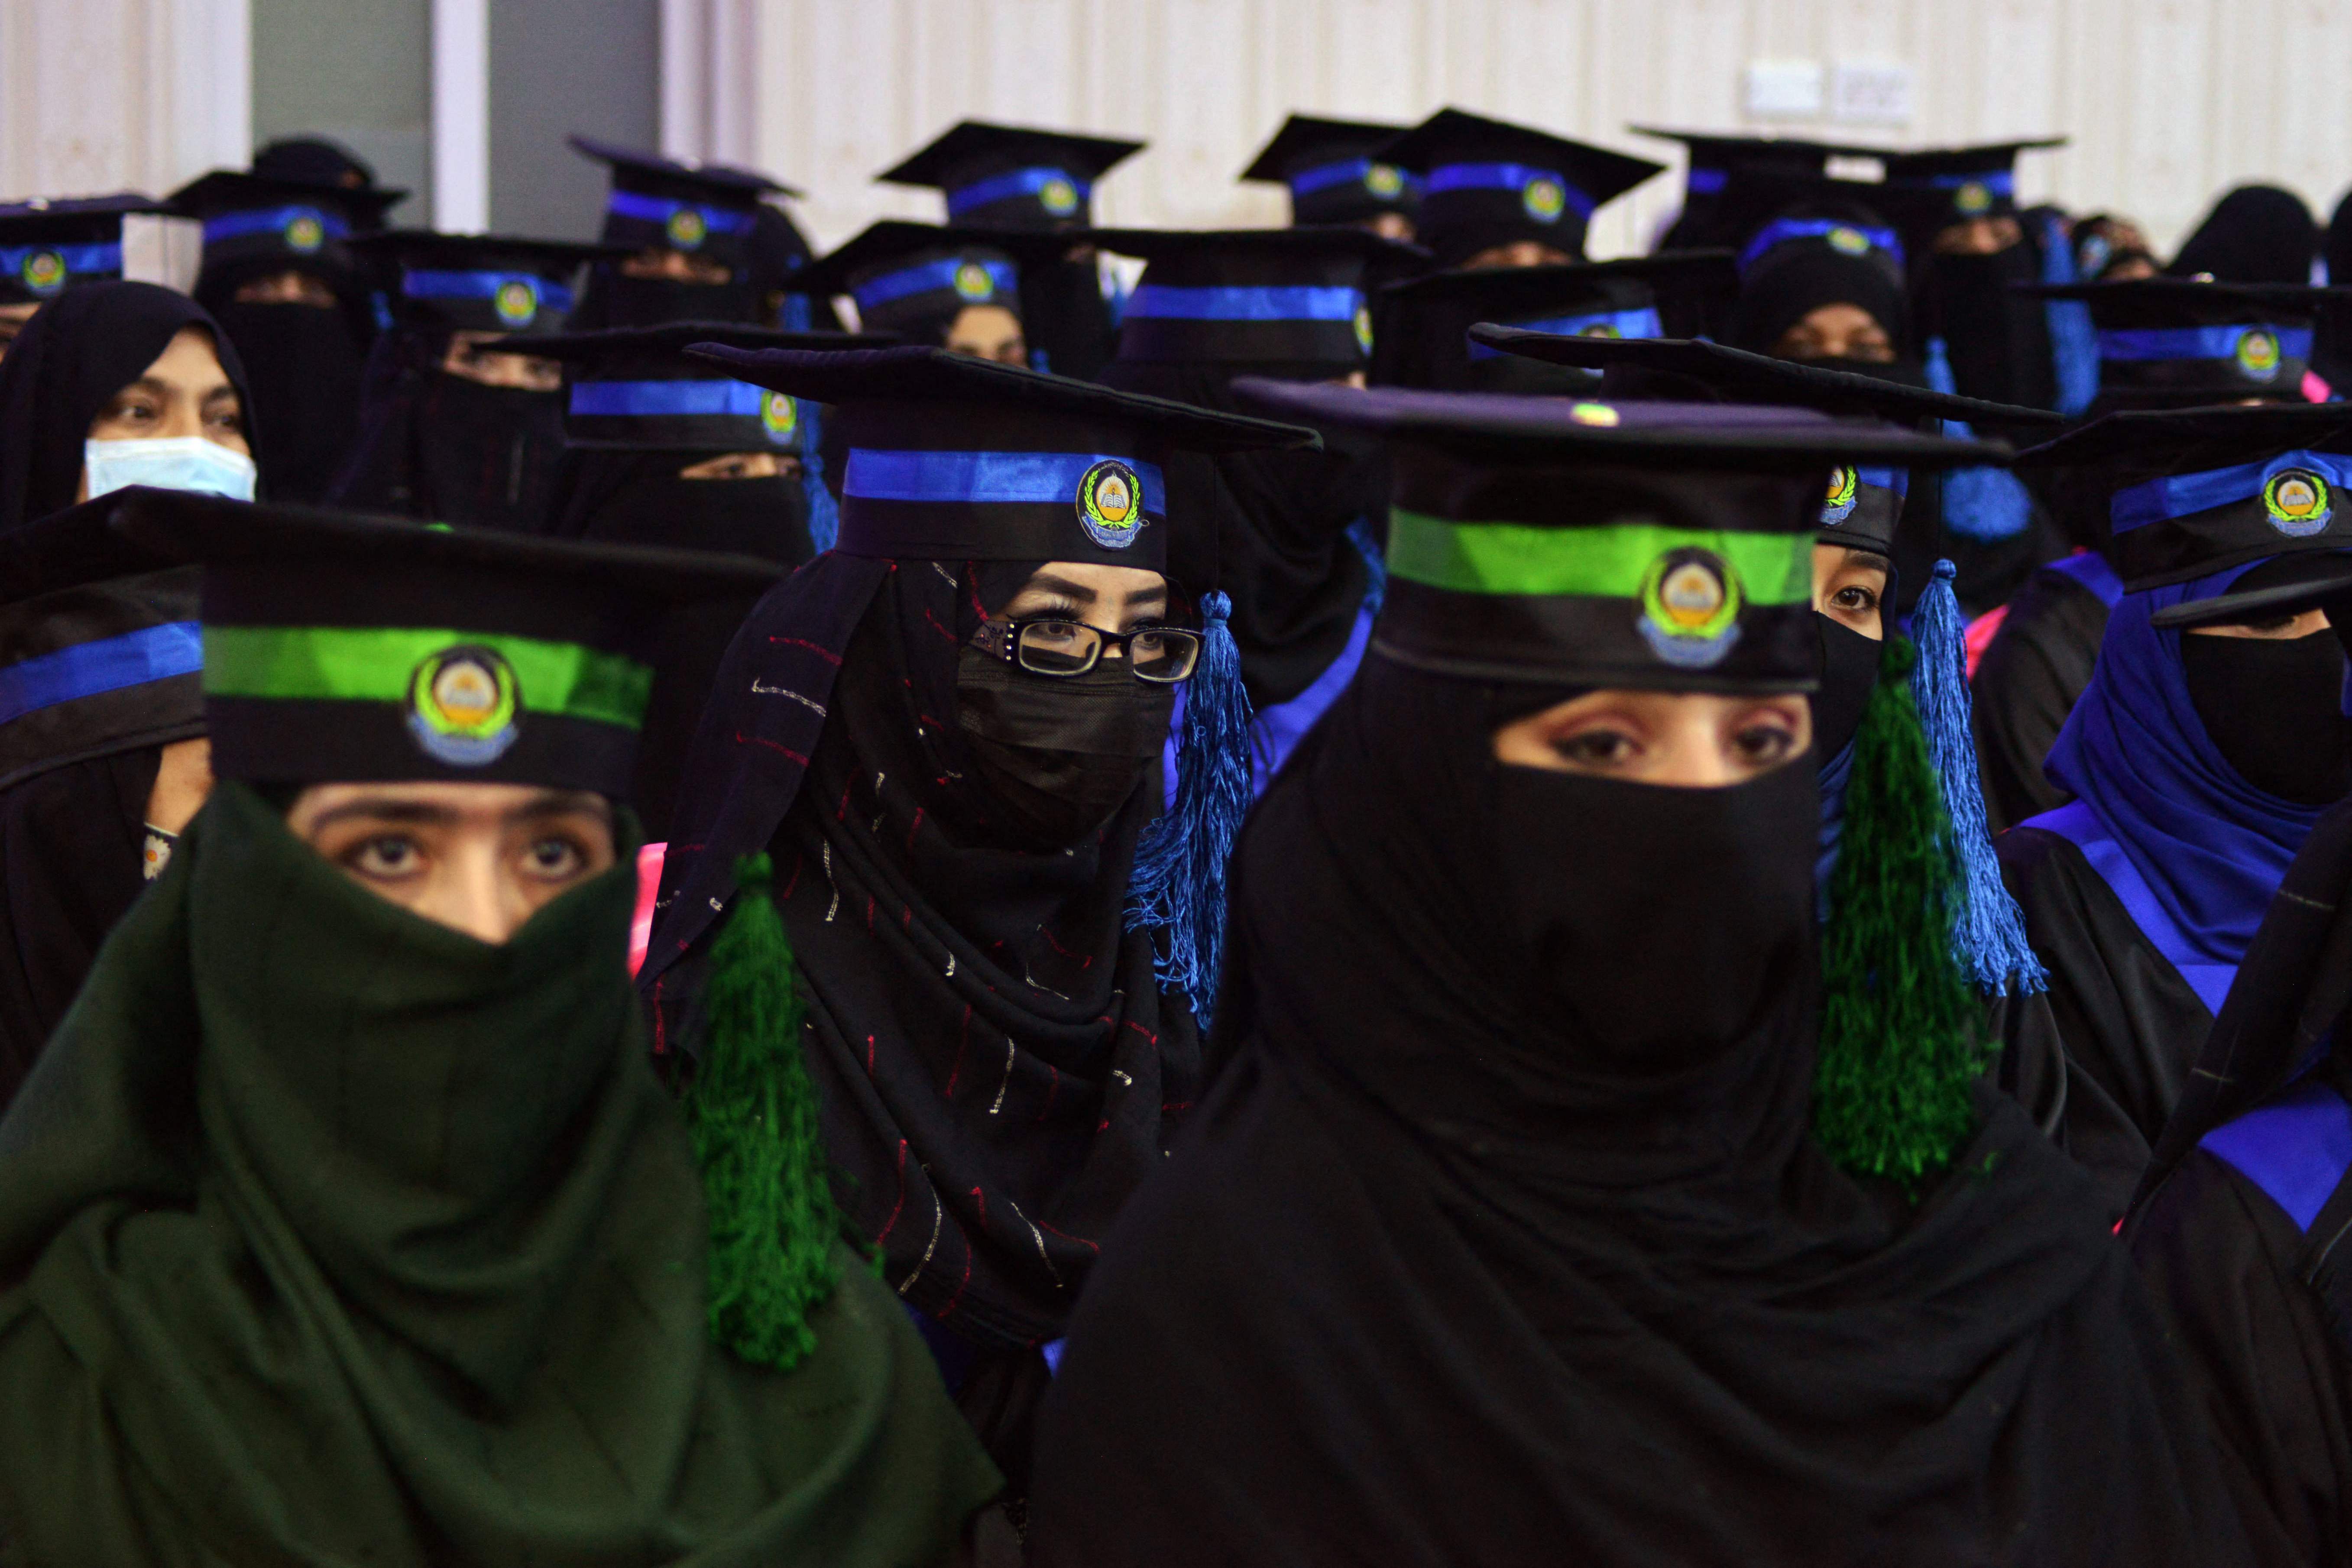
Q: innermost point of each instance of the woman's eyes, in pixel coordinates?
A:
(1765, 744)
(1854, 596)
(134, 411)
(1596, 748)
(387, 855)
(555, 859)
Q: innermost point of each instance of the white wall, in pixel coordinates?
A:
(107, 95)
(2168, 101)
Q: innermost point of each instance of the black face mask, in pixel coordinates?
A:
(1849, 674)
(304, 366)
(767, 517)
(1986, 326)
(2273, 709)
(488, 453)
(621, 301)
(1622, 892)
(1059, 755)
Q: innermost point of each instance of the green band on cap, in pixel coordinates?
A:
(381, 664)
(1611, 562)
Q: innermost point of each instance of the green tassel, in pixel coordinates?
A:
(1900, 1050)
(752, 1114)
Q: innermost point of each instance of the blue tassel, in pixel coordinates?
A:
(824, 517)
(1988, 928)
(1179, 884)
(2074, 342)
(1982, 504)
(1376, 562)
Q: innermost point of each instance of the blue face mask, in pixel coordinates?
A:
(178, 463)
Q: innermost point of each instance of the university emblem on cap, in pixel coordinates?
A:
(1384, 180)
(2258, 354)
(779, 416)
(1110, 504)
(1545, 198)
(1599, 415)
(44, 272)
(305, 233)
(462, 703)
(1600, 330)
(1364, 327)
(687, 229)
(973, 283)
(2297, 502)
(516, 301)
(1690, 607)
(1845, 489)
(1973, 198)
(1058, 196)
(1848, 241)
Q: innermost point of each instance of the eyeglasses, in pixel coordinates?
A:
(1059, 648)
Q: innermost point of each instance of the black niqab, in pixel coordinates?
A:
(306, 364)
(2256, 234)
(1437, 1210)
(446, 447)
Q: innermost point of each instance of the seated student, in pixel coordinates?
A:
(958, 288)
(102, 755)
(944, 732)
(1500, 195)
(1333, 173)
(456, 429)
(2236, 1222)
(2198, 760)
(47, 246)
(697, 248)
(1537, 1219)
(343, 1219)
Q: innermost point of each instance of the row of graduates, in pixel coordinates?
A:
(1465, 1124)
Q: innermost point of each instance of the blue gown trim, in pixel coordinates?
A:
(2295, 1148)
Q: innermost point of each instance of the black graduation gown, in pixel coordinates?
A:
(2255, 1324)
(2027, 682)
(2129, 1025)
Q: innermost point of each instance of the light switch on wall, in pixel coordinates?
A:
(1784, 89)
(1871, 92)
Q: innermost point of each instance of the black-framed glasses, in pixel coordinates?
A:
(1059, 647)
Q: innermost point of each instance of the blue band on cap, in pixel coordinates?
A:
(1641, 323)
(1020, 182)
(2145, 343)
(661, 209)
(437, 284)
(1163, 302)
(2000, 183)
(1515, 177)
(273, 220)
(109, 664)
(2185, 495)
(1781, 231)
(932, 277)
(81, 260)
(1895, 479)
(654, 399)
(1705, 182)
(1308, 181)
(985, 478)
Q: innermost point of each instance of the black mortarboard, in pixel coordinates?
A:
(2172, 343)
(1422, 326)
(254, 223)
(47, 246)
(347, 649)
(2191, 491)
(1011, 177)
(1969, 182)
(1488, 182)
(912, 278)
(637, 389)
(661, 204)
(1251, 295)
(1644, 544)
(314, 159)
(1863, 503)
(1819, 252)
(98, 651)
(1720, 163)
(482, 282)
(1333, 172)
(958, 459)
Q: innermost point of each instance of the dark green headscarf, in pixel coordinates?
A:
(330, 1235)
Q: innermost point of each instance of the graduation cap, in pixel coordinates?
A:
(1968, 183)
(637, 389)
(98, 650)
(913, 279)
(1489, 182)
(1333, 171)
(1011, 177)
(2173, 342)
(255, 224)
(314, 160)
(2192, 491)
(1723, 166)
(483, 283)
(47, 246)
(1422, 325)
(661, 204)
(1863, 504)
(1251, 294)
(343, 647)
(1662, 545)
(2315, 582)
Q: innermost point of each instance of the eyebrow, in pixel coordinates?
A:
(544, 803)
(1870, 558)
